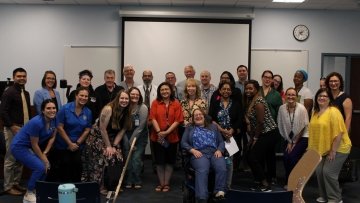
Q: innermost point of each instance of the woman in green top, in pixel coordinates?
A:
(274, 101)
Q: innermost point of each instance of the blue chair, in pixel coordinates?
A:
(47, 192)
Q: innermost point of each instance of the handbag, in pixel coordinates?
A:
(346, 173)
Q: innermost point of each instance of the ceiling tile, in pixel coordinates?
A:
(90, 2)
(187, 2)
(308, 4)
(155, 2)
(219, 2)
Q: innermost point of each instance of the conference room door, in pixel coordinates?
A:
(355, 97)
(348, 65)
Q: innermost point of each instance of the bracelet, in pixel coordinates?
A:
(78, 143)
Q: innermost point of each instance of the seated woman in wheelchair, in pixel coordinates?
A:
(206, 146)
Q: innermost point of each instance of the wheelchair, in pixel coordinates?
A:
(188, 186)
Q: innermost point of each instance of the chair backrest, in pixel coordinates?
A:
(47, 192)
(301, 173)
(235, 196)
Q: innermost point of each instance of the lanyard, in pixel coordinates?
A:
(293, 117)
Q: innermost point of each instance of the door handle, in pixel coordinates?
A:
(356, 111)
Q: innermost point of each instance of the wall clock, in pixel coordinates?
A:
(301, 32)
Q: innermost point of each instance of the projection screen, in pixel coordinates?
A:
(163, 45)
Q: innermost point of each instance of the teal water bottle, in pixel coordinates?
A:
(67, 193)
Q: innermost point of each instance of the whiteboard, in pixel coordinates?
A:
(281, 62)
(94, 58)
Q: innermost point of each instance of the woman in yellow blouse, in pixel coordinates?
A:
(329, 137)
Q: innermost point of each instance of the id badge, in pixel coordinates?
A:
(137, 122)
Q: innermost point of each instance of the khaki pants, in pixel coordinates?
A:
(12, 168)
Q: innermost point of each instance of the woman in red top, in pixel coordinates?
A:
(165, 116)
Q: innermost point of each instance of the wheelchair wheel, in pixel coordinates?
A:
(188, 195)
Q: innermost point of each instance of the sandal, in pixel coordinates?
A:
(104, 192)
(166, 188)
(158, 188)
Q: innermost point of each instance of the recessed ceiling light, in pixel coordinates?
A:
(288, 1)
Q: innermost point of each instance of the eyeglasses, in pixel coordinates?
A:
(267, 77)
(323, 96)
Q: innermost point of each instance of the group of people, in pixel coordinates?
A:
(74, 142)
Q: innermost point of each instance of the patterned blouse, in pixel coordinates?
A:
(224, 115)
(269, 123)
(204, 138)
(188, 110)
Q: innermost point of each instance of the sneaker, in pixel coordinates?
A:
(30, 197)
(265, 188)
(321, 199)
(220, 194)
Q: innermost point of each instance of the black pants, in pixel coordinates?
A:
(66, 166)
(258, 153)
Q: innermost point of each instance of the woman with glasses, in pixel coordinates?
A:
(335, 82)
(279, 86)
(139, 117)
(293, 123)
(329, 137)
(274, 101)
(47, 91)
(206, 146)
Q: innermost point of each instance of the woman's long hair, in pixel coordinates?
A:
(281, 85)
(120, 115)
(198, 90)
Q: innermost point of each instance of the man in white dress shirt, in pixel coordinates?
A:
(147, 89)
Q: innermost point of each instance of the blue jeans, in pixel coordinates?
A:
(202, 166)
(135, 165)
(33, 162)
